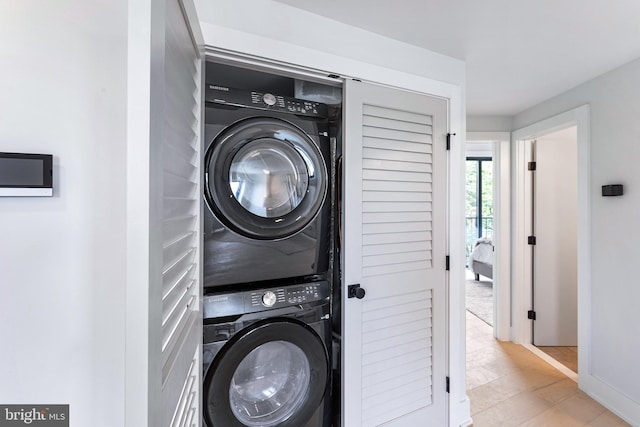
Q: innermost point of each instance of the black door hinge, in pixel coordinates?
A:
(531, 240)
(531, 315)
(449, 140)
(531, 166)
(447, 386)
(446, 266)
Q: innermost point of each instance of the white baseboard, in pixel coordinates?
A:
(612, 399)
(616, 402)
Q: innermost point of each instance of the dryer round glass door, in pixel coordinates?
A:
(266, 178)
(274, 373)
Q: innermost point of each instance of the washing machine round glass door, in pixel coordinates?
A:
(266, 178)
(274, 373)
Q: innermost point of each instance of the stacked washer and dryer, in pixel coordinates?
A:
(268, 239)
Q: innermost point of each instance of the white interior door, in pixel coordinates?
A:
(164, 322)
(394, 350)
(555, 253)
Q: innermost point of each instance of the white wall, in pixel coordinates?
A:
(614, 100)
(488, 123)
(62, 259)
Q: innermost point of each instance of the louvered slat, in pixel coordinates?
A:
(395, 268)
(397, 176)
(186, 152)
(396, 320)
(178, 267)
(175, 299)
(174, 227)
(176, 164)
(395, 227)
(397, 206)
(392, 248)
(393, 186)
(178, 187)
(394, 165)
(387, 123)
(400, 392)
(395, 196)
(393, 381)
(395, 135)
(400, 146)
(393, 259)
(175, 207)
(378, 346)
(396, 237)
(390, 217)
(399, 115)
(396, 155)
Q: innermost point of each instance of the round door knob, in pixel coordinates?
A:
(269, 299)
(355, 291)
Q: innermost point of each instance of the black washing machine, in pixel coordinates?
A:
(267, 188)
(265, 357)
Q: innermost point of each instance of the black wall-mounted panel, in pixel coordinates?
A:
(612, 190)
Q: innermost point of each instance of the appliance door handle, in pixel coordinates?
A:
(355, 291)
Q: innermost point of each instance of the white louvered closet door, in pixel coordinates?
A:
(394, 198)
(164, 321)
(181, 152)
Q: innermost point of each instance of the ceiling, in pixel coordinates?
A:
(518, 52)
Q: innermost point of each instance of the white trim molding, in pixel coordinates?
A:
(302, 61)
(578, 117)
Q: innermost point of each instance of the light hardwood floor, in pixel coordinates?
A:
(568, 356)
(510, 386)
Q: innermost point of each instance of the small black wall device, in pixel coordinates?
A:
(25, 175)
(612, 190)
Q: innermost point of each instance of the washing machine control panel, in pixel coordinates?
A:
(219, 94)
(237, 303)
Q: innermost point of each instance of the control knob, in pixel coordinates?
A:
(269, 99)
(269, 299)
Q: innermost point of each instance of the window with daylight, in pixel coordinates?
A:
(478, 200)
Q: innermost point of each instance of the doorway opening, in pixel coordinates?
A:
(553, 199)
(526, 305)
(479, 231)
(487, 218)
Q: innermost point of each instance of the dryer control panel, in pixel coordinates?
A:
(237, 303)
(282, 297)
(219, 94)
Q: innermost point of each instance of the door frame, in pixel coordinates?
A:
(501, 157)
(253, 51)
(522, 299)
